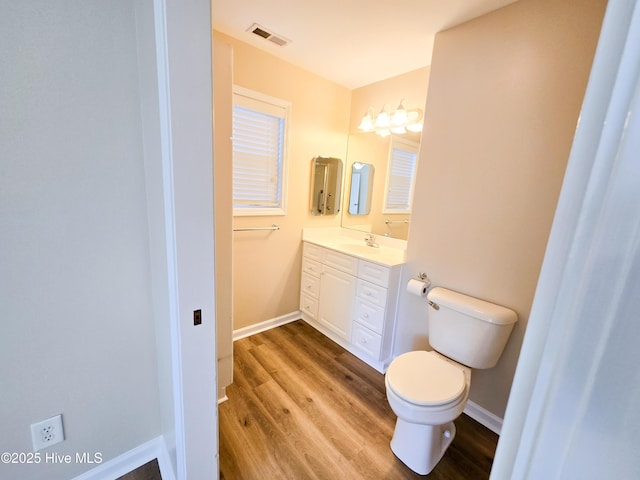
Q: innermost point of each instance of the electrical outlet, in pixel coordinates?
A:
(47, 432)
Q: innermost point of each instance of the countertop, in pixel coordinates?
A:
(356, 247)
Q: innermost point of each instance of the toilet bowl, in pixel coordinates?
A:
(428, 390)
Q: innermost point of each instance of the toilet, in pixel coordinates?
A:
(428, 390)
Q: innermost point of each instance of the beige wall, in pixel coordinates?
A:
(266, 265)
(223, 212)
(504, 97)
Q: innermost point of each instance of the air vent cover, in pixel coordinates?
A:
(268, 35)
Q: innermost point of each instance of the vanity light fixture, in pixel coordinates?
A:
(366, 123)
(383, 120)
(400, 115)
(398, 122)
(415, 127)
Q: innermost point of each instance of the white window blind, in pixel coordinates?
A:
(400, 176)
(259, 127)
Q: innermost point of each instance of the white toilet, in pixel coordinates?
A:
(428, 390)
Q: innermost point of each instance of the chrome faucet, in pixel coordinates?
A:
(371, 241)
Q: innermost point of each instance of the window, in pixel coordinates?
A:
(259, 153)
(403, 155)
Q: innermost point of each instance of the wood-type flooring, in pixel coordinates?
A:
(148, 471)
(301, 407)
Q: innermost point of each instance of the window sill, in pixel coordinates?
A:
(258, 212)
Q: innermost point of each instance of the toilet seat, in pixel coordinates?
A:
(422, 378)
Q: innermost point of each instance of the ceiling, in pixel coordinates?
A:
(350, 42)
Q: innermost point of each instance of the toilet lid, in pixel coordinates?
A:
(424, 379)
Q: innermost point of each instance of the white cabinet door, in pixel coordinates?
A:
(337, 291)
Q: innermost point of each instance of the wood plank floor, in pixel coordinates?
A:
(148, 471)
(301, 407)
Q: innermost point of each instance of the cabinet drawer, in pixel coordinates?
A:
(365, 340)
(312, 251)
(342, 262)
(374, 273)
(369, 315)
(309, 305)
(310, 285)
(372, 293)
(311, 267)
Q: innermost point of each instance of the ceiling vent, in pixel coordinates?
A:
(268, 35)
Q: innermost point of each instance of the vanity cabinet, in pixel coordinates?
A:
(351, 300)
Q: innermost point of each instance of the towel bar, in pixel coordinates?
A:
(247, 229)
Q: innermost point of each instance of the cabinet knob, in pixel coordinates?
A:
(363, 341)
(365, 315)
(367, 293)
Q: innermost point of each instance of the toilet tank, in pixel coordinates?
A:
(468, 330)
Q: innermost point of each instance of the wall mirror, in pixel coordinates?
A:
(326, 184)
(360, 188)
(376, 151)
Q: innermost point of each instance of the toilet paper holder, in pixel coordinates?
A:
(423, 276)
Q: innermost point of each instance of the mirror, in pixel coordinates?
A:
(326, 183)
(382, 218)
(360, 189)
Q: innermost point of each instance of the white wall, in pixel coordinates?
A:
(75, 291)
(188, 174)
(156, 218)
(573, 408)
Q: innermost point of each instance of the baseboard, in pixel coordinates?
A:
(129, 461)
(266, 325)
(225, 375)
(484, 417)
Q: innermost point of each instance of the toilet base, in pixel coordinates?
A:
(420, 447)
